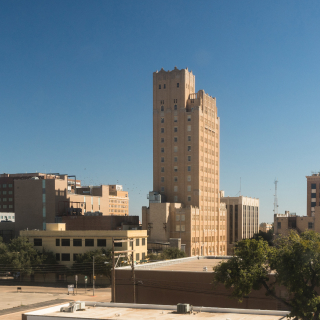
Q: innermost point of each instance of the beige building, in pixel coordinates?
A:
(186, 139)
(265, 227)
(242, 219)
(67, 244)
(38, 198)
(284, 223)
(313, 193)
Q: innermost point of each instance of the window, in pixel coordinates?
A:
(10, 185)
(137, 256)
(101, 242)
(310, 225)
(4, 206)
(162, 140)
(162, 130)
(159, 86)
(65, 242)
(143, 241)
(10, 206)
(162, 189)
(175, 179)
(117, 244)
(183, 228)
(188, 188)
(162, 150)
(175, 149)
(4, 185)
(137, 242)
(178, 85)
(162, 159)
(189, 158)
(175, 159)
(189, 118)
(313, 186)
(175, 169)
(188, 178)
(177, 227)
(89, 242)
(9, 192)
(4, 192)
(65, 256)
(57, 256)
(162, 108)
(57, 242)
(77, 242)
(183, 217)
(175, 198)
(175, 119)
(175, 188)
(37, 242)
(162, 179)
(189, 128)
(10, 199)
(189, 198)
(175, 129)
(279, 225)
(175, 107)
(189, 148)
(189, 168)
(162, 120)
(189, 138)
(164, 86)
(175, 139)
(75, 256)
(162, 169)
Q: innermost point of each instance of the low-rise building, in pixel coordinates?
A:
(265, 227)
(67, 244)
(284, 223)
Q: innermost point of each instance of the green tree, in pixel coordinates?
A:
(295, 263)
(266, 236)
(84, 263)
(48, 263)
(172, 253)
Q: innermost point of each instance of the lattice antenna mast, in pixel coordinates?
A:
(275, 204)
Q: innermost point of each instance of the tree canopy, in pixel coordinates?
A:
(167, 254)
(293, 262)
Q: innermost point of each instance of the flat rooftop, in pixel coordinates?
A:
(134, 311)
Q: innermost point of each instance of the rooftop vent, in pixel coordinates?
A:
(183, 308)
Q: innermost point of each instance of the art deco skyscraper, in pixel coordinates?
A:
(186, 136)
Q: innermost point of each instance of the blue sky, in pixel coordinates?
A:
(76, 89)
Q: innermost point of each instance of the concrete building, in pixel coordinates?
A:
(284, 223)
(313, 193)
(38, 198)
(242, 218)
(67, 244)
(186, 144)
(265, 227)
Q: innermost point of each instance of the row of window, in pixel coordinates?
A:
(175, 149)
(175, 139)
(4, 206)
(175, 129)
(5, 199)
(4, 185)
(67, 256)
(175, 159)
(5, 192)
(164, 85)
(37, 242)
(175, 119)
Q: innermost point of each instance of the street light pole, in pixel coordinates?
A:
(93, 278)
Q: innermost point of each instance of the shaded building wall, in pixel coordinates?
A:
(195, 288)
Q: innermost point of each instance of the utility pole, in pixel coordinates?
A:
(93, 278)
(113, 289)
(133, 276)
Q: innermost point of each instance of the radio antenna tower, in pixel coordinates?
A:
(275, 204)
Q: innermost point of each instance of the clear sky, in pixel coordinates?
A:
(76, 89)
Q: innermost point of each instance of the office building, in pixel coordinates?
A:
(185, 198)
(242, 218)
(38, 198)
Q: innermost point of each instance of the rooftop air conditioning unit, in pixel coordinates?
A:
(183, 308)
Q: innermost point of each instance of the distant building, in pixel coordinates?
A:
(284, 223)
(313, 193)
(242, 218)
(67, 244)
(265, 227)
(186, 149)
(38, 198)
